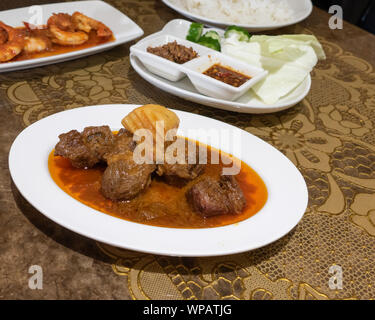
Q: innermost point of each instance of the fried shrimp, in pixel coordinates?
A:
(64, 31)
(61, 30)
(12, 42)
(36, 40)
(3, 36)
(87, 24)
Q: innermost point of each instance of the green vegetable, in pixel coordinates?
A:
(241, 33)
(195, 32)
(210, 43)
(210, 39)
(212, 34)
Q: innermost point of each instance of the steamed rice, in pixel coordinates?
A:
(258, 12)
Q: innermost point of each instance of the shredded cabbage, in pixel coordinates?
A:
(288, 59)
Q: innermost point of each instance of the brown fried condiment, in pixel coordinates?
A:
(174, 52)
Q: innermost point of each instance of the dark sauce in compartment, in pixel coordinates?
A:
(226, 75)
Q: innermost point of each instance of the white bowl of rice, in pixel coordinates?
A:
(253, 15)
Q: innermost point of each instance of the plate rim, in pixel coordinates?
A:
(184, 232)
(253, 27)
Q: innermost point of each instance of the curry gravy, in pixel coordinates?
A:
(84, 186)
(55, 48)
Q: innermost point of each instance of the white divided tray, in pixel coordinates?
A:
(183, 88)
(194, 68)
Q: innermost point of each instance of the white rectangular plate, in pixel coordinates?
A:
(124, 29)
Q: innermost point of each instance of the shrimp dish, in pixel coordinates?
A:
(62, 33)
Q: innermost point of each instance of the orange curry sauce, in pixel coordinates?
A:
(84, 186)
(55, 49)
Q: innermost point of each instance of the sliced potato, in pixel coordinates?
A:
(147, 116)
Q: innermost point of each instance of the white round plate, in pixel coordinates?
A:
(286, 204)
(301, 10)
(248, 103)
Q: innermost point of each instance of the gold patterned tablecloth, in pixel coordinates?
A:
(329, 136)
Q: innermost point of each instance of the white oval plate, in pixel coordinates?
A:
(302, 9)
(286, 204)
(124, 29)
(248, 103)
